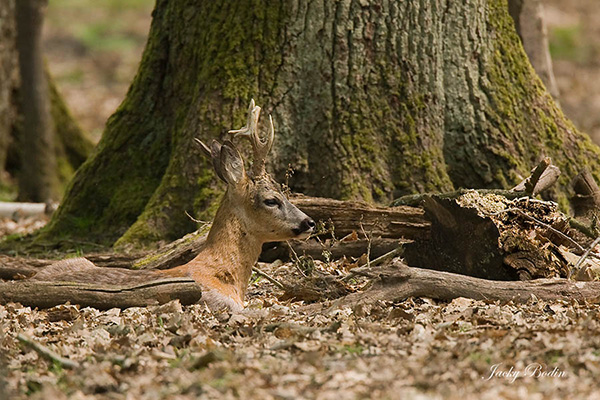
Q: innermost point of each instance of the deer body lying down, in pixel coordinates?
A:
(253, 211)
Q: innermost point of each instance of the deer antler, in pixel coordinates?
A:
(261, 149)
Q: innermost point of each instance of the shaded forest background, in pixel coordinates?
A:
(93, 50)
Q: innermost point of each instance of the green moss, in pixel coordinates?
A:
(524, 120)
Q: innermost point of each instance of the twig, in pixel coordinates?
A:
(296, 259)
(379, 260)
(586, 254)
(362, 228)
(198, 221)
(46, 352)
(268, 277)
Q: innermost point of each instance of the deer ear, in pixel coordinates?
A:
(231, 165)
(215, 155)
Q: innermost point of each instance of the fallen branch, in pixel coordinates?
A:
(399, 281)
(268, 277)
(44, 294)
(46, 352)
(379, 260)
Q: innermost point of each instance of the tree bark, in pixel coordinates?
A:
(371, 100)
(39, 178)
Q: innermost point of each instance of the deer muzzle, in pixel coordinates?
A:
(306, 227)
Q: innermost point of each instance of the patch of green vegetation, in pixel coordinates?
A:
(113, 5)
(480, 356)
(553, 356)
(567, 43)
(352, 348)
(8, 191)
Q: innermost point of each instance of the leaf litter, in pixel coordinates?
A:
(280, 349)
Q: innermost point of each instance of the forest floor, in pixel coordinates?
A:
(414, 349)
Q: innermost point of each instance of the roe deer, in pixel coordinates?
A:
(252, 212)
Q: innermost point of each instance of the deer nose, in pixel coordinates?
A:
(307, 225)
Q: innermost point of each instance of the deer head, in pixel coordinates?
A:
(255, 198)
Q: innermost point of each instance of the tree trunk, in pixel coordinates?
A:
(39, 178)
(71, 147)
(371, 100)
(8, 77)
(531, 27)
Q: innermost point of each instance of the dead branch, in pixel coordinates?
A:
(378, 261)
(268, 277)
(399, 281)
(44, 294)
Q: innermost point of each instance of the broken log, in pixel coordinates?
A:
(352, 216)
(329, 251)
(542, 177)
(399, 281)
(45, 294)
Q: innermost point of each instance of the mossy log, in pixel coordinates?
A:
(371, 101)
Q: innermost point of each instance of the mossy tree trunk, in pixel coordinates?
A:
(371, 100)
(68, 146)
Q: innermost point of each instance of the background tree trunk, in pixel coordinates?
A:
(371, 100)
(531, 27)
(39, 174)
(8, 76)
(70, 146)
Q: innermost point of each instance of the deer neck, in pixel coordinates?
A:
(230, 252)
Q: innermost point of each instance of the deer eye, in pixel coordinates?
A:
(272, 202)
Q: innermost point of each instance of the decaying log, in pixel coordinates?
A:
(351, 216)
(174, 254)
(416, 200)
(542, 177)
(399, 281)
(48, 294)
(14, 209)
(462, 241)
(376, 247)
